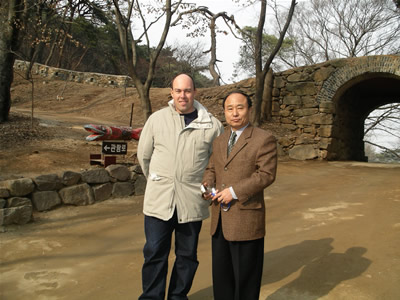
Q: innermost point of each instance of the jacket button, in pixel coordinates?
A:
(223, 186)
(226, 169)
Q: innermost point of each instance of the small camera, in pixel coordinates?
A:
(209, 190)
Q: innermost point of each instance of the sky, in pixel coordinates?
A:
(227, 45)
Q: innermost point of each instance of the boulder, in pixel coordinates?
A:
(45, 200)
(80, 194)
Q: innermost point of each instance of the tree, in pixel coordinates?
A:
(323, 30)
(384, 121)
(209, 19)
(129, 43)
(11, 15)
(246, 61)
(262, 68)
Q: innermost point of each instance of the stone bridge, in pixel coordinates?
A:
(325, 105)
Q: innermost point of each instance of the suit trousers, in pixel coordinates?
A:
(156, 251)
(237, 267)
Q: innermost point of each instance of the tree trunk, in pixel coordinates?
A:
(213, 59)
(266, 107)
(126, 37)
(260, 77)
(10, 12)
(261, 71)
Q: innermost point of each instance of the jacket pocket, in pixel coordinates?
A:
(252, 203)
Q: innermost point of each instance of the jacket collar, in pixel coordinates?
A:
(240, 143)
(203, 118)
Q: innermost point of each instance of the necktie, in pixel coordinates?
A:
(231, 142)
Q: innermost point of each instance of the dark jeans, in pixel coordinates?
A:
(156, 250)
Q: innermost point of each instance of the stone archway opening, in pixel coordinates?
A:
(353, 102)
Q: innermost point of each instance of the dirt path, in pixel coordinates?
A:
(333, 232)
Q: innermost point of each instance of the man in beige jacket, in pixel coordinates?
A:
(173, 151)
(242, 165)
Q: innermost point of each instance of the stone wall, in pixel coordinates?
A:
(51, 73)
(20, 197)
(295, 107)
(305, 101)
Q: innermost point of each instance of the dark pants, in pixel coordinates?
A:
(156, 250)
(236, 268)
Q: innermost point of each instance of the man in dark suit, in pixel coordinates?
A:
(242, 165)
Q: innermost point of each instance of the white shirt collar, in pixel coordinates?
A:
(239, 131)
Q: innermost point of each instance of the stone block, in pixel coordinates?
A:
(285, 141)
(99, 175)
(309, 102)
(48, 182)
(299, 77)
(319, 119)
(137, 169)
(140, 185)
(102, 192)
(45, 200)
(289, 126)
(323, 73)
(279, 82)
(302, 88)
(305, 112)
(292, 100)
(303, 152)
(18, 201)
(4, 193)
(325, 131)
(123, 189)
(119, 172)
(17, 215)
(20, 187)
(305, 139)
(80, 194)
(70, 178)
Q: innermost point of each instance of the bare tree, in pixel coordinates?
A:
(330, 29)
(383, 121)
(262, 68)
(12, 13)
(129, 43)
(209, 20)
(191, 57)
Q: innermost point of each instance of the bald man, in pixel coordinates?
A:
(173, 151)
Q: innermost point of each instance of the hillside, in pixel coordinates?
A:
(57, 140)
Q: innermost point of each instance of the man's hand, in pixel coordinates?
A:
(206, 195)
(224, 196)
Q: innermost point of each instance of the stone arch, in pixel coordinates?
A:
(355, 67)
(356, 89)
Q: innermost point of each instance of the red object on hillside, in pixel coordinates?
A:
(103, 132)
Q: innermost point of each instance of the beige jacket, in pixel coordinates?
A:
(173, 158)
(249, 169)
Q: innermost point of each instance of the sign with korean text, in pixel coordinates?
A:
(115, 148)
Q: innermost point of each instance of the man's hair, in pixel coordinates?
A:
(173, 79)
(249, 102)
